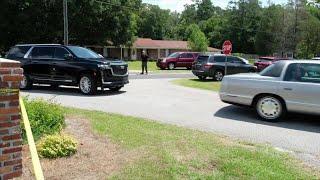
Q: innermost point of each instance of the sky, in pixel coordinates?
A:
(178, 5)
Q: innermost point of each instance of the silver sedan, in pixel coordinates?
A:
(286, 86)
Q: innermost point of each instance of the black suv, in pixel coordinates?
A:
(214, 66)
(56, 65)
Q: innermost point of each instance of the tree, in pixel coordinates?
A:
(268, 37)
(153, 22)
(243, 19)
(90, 22)
(309, 43)
(197, 40)
(214, 30)
(204, 9)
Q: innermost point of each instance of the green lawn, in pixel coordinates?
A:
(152, 67)
(170, 152)
(200, 84)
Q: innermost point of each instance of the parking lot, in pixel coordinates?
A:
(156, 98)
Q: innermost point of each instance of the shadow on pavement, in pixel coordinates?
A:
(69, 91)
(293, 121)
(205, 80)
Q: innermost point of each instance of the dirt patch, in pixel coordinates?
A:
(97, 157)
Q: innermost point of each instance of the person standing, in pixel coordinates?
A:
(144, 59)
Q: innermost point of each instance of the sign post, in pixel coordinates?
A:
(226, 49)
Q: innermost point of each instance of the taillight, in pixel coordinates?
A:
(207, 66)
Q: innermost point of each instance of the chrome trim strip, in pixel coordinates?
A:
(53, 80)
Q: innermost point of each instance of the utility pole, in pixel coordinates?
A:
(65, 23)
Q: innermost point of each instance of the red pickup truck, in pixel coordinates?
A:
(264, 62)
(178, 59)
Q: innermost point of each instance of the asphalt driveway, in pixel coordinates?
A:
(160, 100)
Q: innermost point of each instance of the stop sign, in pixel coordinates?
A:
(227, 47)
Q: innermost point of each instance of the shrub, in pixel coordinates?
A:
(54, 146)
(45, 117)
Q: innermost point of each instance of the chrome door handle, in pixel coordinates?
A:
(288, 89)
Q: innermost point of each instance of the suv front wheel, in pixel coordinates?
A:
(26, 83)
(171, 66)
(88, 85)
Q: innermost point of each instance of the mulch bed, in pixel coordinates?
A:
(97, 157)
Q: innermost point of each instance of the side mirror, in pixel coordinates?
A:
(68, 57)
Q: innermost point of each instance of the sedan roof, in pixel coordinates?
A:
(302, 61)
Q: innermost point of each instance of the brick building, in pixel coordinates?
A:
(155, 48)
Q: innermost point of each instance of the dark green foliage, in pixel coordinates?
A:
(251, 27)
(45, 118)
(197, 40)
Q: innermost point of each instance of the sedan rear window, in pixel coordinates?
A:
(274, 70)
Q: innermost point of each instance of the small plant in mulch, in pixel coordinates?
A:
(56, 146)
(46, 117)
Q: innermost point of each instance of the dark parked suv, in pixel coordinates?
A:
(214, 66)
(56, 65)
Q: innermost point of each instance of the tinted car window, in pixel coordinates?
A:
(84, 52)
(274, 70)
(42, 52)
(188, 55)
(18, 52)
(60, 53)
(303, 73)
(219, 58)
(237, 61)
(202, 59)
(184, 55)
(232, 59)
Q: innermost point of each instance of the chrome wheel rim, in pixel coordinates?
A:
(269, 108)
(24, 82)
(171, 66)
(85, 85)
(219, 76)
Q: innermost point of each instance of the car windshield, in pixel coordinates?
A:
(174, 55)
(273, 70)
(81, 52)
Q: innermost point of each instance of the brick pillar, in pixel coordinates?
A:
(10, 132)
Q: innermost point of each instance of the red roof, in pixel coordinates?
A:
(164, 44)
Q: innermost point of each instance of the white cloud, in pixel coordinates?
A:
(173, 5)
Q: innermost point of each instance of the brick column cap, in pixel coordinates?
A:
(4, 63)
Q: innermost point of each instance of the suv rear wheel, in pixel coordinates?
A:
(26, 83)
(171, 66)
(88, 85)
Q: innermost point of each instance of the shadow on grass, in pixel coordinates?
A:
(205, 80)
(294, 121)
